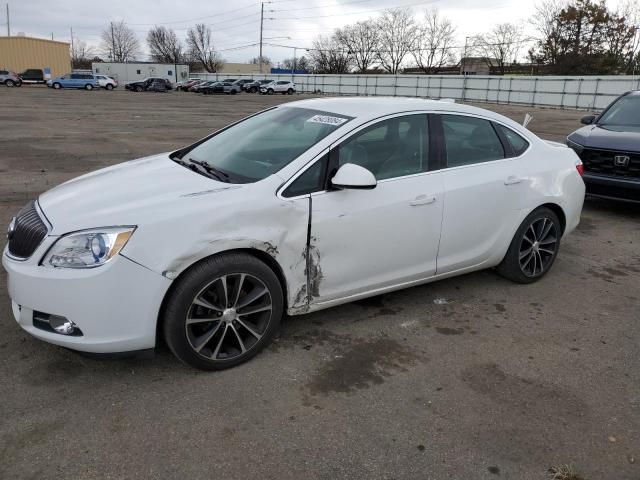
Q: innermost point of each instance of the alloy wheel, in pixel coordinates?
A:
(229, 316)
(538, 247)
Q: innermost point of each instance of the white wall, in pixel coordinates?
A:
(128, 72)
(587, 93)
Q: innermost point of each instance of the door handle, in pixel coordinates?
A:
(423, 200)
(513, 180)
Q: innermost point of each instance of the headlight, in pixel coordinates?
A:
(88, 248)
(576, 147)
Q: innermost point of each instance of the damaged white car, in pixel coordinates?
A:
(300, 207)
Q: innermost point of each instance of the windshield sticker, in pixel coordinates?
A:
(326, 119)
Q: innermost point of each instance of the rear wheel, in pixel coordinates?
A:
(223, 311)
(88, 86)
(534, 247)
(138, 88)
(253, 89)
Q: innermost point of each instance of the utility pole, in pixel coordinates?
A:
(113, 45)
(72, 49)
(464, 54)
(8, 22)
(261, 24)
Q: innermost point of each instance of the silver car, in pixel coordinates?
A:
(10, 79)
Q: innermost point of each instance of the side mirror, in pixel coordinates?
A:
(587, 119)
(351, 176)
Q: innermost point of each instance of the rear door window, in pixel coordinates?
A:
(470, 140)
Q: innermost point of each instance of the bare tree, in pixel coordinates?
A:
(164, 45)
(435, 42)
(398, 33)
(81, 55)
(362, 40)
(300, 63)
(500, 46)
(119, 42)
(256, 60)
(328, 56)
(201, 48)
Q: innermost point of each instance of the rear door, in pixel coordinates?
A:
(484, 188)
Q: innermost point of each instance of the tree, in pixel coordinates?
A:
(500, 46)
(398, 33)
(81, 55)
(119, 42)
(434, 46)
(164, 45)
(256, 60)
(585, 37)
(296, 63)
(328, 56)
(201, 48)
(362, 40)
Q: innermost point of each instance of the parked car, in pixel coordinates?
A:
(254, 87)
(301, 207)
(74, 80)
(281, 86)
(184, 86)
(609, 147)
(242, 82)
(143, 85)
(220, 87)
(108, 83)
(198, 86)
(157, 85)
(10, 79)
(228, 80)
(32, 75)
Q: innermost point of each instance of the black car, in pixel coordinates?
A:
(254, 87)
(32, 75)
(148, 85)
(609, 147)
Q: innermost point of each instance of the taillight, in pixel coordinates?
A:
(580, 168)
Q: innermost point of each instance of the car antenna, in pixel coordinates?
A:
(527, 119)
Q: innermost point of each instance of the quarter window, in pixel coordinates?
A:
(518, 144)
(312, 180)
(391, 148)
(470, 140)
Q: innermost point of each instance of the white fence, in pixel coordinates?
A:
(588, 93)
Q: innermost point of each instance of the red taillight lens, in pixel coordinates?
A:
(580, 168)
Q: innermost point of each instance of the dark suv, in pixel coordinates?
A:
(150, 83)
(609, 147)
(32, 75)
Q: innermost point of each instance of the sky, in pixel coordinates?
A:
(236, 25)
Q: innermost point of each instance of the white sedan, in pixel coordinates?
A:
(282, 86)
(298, 208)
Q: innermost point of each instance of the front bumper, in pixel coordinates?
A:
(115, 306)
(616, 188)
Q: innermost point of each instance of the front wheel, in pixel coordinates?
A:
(290, 91)
(534, 247)
(138, 88)
(270, 91)
(223, 311)
(10, 83)
(253, 89)
(109, 87)
(57, 86)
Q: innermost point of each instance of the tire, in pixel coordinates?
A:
(88, 86)
(57, 86)
(290, 91)
(109, 87)
(225, 338)
(233, 92)
(253, 89)
(270, 91)
(534, 247)
(138, 88)
(10, 83)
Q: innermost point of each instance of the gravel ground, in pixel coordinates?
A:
(468, 378)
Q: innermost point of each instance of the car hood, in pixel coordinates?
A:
(125, 194)
(609, 137)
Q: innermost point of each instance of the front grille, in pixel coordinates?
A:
(29, 231)
(602, 162)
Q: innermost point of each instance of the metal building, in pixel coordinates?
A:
(21, 53)
(134, 71)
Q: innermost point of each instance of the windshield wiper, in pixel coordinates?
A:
(214, 172)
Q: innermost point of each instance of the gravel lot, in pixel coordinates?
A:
(496, 381)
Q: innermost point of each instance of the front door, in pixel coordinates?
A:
(365, 240)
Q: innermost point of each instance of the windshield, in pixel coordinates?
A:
(263, 144)
(626, 111)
